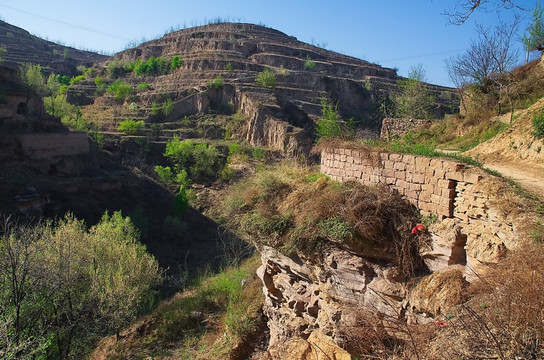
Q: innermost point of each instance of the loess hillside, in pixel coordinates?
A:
(221, 63)
(23, 47)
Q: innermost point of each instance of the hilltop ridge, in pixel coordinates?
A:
(23, 47)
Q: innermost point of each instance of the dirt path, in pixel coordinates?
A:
(528, 178)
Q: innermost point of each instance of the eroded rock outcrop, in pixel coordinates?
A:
(304, 295)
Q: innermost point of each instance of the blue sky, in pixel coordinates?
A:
(393, 33)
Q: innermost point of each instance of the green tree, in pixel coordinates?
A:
(534, 39)
(179, 152)
(119, 89)
(63, 287)
(32, 77)
(181, 201)
(413, 99)
(206, 162)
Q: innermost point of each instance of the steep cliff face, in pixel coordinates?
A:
(280, 116)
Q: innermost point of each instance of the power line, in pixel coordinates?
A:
(66, 23)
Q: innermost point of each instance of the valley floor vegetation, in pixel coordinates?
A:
(63, 286)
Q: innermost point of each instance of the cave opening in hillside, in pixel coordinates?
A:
(22, 108)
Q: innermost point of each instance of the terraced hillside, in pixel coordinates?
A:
(280, 115)
(22, 47)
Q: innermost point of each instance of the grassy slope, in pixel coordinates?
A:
(217, 318)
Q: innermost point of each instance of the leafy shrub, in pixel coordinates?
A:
(119, 89)
(258, 153)
(153, 66)
(165, 174)
(77, 79)
(143, 86)
(179, 152)
(266, 78)
(229, 67)
(330, 126)
(227, 173)
(176, 62)
(130, 126)
(168, 107)
(155, 108)
(115, 69)
(181, 201)
(309, 64)
(217, 83)
(206, 162)
(63, 79)
(101, 85)
(183, 178)
(538, 124)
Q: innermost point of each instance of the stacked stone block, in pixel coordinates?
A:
(431, 184)
(466, 199)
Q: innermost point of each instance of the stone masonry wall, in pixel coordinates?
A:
(475, 228)
(400, 126)
(433, 185)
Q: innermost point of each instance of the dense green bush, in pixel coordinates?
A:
(165, 174)
(176, 62)
(203, 161)
(179, 152)
(258, 153)
(266, 78)
(168, 107)
(101, 85)
(119, 89)
(143, 86)
(217, 83)
(130, 126)
(538, 124)
(153, 66)
(115, 69)
(64, 286)
(77, 79)
(206, 162)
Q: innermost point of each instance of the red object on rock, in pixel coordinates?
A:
(418, 227)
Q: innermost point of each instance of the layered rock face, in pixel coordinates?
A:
(282, 116)
(327, 293)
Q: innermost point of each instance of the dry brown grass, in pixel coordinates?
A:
(298, 210)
